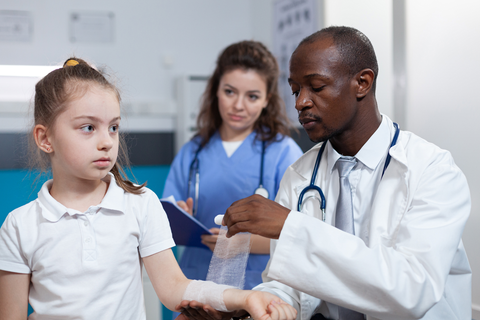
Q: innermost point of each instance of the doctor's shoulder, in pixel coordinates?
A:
(422, 153)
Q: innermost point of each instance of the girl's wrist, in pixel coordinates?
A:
(235, 299)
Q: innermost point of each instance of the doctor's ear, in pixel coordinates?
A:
(42, 138)
(364, 81)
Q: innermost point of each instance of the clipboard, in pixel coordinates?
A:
(186, 230)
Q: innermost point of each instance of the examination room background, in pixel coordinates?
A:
(428, 54)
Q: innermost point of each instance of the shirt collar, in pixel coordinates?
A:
(52, 210)
(372, 152)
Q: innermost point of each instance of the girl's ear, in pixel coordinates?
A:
(42, 139)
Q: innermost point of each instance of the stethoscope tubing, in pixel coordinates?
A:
(194, 170)
(312, 186)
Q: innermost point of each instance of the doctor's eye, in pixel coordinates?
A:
(87, 128)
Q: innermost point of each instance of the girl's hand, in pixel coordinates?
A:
(187, 206)
(260, 305)
(266, 306)
(211, 240)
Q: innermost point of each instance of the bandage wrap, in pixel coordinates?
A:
(207, 292)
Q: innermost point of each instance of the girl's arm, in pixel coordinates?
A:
(14, 289)
(170, 284)
(167, 278)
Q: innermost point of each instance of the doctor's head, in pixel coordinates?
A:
(242, 95)
(332, 76)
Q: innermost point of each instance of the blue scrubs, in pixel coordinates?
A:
(224, 180)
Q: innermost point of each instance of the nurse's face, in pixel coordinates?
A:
(242, 95)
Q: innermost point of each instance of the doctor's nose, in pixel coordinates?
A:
(303, 101)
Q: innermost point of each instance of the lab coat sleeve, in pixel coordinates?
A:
(402, 273)
(303, 303)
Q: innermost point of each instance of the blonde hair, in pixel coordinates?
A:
(52, 95)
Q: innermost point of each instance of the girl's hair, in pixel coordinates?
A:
(245, 55)
(52, 95)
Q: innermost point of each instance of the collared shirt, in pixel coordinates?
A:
(85, 265)
(364, 178)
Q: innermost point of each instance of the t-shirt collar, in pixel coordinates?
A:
(52, 210)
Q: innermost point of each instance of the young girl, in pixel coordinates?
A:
(77, 251)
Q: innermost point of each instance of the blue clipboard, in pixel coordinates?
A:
(186, 230)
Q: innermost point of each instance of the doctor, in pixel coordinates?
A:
(242, 147)
(401, 255)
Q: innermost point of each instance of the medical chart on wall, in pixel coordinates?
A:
(293, 20)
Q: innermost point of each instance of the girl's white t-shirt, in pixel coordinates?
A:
(85, 265)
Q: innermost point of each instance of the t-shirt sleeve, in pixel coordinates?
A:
(11, 255)
(155, 227)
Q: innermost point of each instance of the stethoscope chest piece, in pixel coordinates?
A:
(262, 191)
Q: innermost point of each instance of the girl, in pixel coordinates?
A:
(242, 145)
(77, 251)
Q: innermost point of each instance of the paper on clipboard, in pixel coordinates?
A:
(186, 230)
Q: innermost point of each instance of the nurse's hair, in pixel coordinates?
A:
(245, 55)
(53, 94)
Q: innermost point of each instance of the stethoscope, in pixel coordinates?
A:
(312, 185)
(195, 173)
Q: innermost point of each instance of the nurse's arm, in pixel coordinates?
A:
(14, 295)
(257, 215)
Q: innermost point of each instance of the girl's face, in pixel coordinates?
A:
(84, 138)
(242, 94)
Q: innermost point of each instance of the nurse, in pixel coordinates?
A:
(242, 145)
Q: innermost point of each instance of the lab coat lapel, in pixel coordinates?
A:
(391, 199)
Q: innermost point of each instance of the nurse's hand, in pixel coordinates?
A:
(257, 215)
(187, 206)
(211, 240)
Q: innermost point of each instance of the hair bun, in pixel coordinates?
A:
(70, 63)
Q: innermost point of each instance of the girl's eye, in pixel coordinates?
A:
(228, 92)
(253, 97)
(87, 128)
(114, 128)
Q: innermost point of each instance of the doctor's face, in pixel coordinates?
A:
(242, 95)
(325, 95)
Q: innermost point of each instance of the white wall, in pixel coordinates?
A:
(443, 60)
(189, 33)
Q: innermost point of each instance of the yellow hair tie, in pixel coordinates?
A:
(70, 63)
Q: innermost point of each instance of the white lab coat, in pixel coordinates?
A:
(410, 264)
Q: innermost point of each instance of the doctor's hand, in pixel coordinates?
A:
(211, 240)
(195, 310)
(257, 215)
(186, 205)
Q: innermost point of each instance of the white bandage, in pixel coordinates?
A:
(207, 292)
